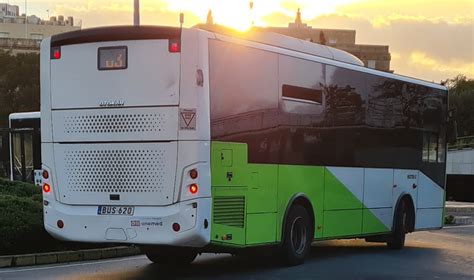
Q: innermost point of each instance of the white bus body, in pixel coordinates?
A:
(104, 129)
(127, 132)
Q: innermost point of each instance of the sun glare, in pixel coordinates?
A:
(232, 13)
(238, 14)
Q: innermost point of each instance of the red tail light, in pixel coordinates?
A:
(56, 53)
(46, 188)
(60, 224)
(193, 188)
(174, 46)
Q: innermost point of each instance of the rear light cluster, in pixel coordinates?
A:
(56, 53)
(193, 188)
(174, 46)
(46, 186)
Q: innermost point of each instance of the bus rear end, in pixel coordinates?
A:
(123, 157)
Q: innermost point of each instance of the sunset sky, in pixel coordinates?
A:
(428, 39)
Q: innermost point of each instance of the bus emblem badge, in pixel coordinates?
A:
(114, 103)
(187, 119)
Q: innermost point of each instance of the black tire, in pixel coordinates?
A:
(171, 256)
(396, 241)
(297, 236)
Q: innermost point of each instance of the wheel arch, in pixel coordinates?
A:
(411, 214)
(298, 199)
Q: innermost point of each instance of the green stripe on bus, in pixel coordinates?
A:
(250, 200)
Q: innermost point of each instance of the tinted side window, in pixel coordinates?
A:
(242, 80)
(384, 102)
(345, 95)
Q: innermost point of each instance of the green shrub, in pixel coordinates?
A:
(21, 222)
(19, 189)
(449, 220)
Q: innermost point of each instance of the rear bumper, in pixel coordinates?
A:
(149, 225)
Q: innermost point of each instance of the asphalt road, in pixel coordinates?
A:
(445, 254)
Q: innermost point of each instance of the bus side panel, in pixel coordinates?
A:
(45, 76)
(194, 96)
(343, 194)
(430, 204)
(308, 180)
(244, 197)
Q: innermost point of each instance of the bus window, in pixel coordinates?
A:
(431, 152)
(301, 84)
(433, 149)
(441, 148)
(302, 94)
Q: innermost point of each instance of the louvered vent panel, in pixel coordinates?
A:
(121, 124)
(114, 123)
(229, 211)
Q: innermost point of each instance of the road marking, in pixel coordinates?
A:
(70, 265)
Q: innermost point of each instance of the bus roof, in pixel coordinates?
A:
(143, 32)
(328, 54)
(115, 33)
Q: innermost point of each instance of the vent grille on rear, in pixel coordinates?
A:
(229, 211)
(115, 170)
(114, 123)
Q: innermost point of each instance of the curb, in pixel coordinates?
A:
(463, 220)
(455, 210)
(67, 256)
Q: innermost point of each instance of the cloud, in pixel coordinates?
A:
(450, 45)
(423, 62)
(452, 11)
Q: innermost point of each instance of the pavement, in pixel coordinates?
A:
(463, 212)
(442, 254)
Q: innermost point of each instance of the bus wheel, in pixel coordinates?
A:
(396, 240)
(171, 256)
(297, 236)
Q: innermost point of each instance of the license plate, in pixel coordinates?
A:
(115, 210)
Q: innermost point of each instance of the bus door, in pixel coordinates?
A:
(22, 163)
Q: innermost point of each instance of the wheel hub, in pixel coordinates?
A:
(298, 235)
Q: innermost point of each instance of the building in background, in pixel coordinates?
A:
(17, 35)
(374, 56)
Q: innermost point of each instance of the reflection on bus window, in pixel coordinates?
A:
(432, 152)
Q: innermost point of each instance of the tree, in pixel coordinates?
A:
(19, 84)
(461, 94)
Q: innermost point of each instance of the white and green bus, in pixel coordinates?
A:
(185, 141)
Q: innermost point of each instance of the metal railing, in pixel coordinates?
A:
(463, 143)
(19, 43)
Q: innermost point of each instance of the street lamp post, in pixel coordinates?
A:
(26, 19)
(136, 13)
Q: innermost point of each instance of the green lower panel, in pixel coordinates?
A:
(308, 180)
(250, 200)
(337, 196)
(228, 235)
(261, 228)
(371, 224)
(229, 215)
(339, 223)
